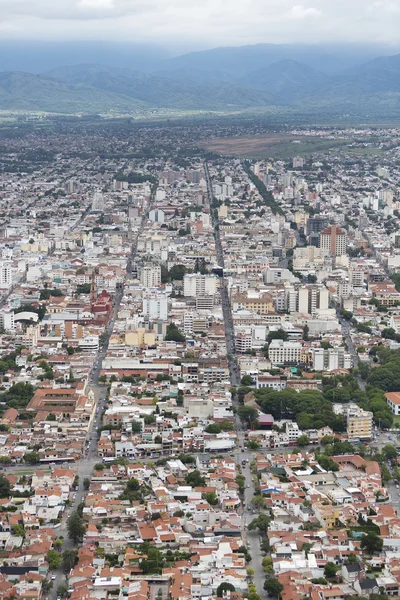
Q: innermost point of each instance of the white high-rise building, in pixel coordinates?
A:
(98, 202)
(195, 285)
(150, 276)
(5, 275)
(155, 306)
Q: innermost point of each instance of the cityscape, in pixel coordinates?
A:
(200, 367)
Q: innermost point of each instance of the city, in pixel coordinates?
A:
(200, 367)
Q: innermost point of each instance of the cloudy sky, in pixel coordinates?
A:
(203, 23)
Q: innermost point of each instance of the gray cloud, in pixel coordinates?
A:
(205, 23)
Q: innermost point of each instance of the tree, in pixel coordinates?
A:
(136, 427)
(247, 414)
(306, 332)
(76, 527)
(371, 542)
(303, 440)
(330, 570)
(5, 487)
(250, 571)
(31, 458)
(247, 380)
(195, 479)
(62, 590)
(261, 523)
(173, 334)
(273, 587)
(86, 483)
(69, 559)
(389, 452)
(253, 444)
(213, 428)
(279, 334)
(211, 498)
(224, 587)
(53, 558)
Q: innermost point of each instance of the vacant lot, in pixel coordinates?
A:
(274, 146)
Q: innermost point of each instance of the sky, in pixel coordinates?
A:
(196, 24)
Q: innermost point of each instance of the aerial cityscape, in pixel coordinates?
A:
(199, 300)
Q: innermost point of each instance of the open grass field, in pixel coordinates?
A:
(281, 146)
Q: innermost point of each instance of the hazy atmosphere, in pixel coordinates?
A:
(190, 24)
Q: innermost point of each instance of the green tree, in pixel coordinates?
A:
(5, 487)
(224, 587)
(53, 558)
(273, 587)
(261, 523)
(86, 483)
(303, 440)
(253, 444)
(247, 380)
(279, 334)
(62, 590)
(389, 452)
(136, 427)
(31, 458)
(330, 570)
(248, 414)
(69, 559)
(213, 428)
(371, 542)
(195, 479)
(211, 498)
(173, 334)
(76, 527)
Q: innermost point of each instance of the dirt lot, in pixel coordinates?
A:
(274, 146)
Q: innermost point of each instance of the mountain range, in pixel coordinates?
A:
(223, 79)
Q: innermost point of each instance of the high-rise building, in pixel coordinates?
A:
(155, 306)
(98, 202)
(150, 276)
(333, 240)
(5, 275)
(197, 285)
(298, 162)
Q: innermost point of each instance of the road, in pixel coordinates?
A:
(224, 291)
(346, 328)
(84, 466)
(250, 538)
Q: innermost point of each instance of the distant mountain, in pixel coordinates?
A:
(371, 88)
(163, 92)
(237, 61)
(287, 78)
(25, 91)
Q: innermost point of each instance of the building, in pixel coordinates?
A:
(5, 275)
(306, 299)
(393, 400)
(330, 359)
(197, 285)
(359, 423)
(98, 202)
(316, 224)
(155, 306)
(150, 276)
(333, 240)
(298, 162)
(283, 353)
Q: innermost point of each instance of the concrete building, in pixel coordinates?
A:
(393, 400)
(155, 306)
(5, 275)
(150, 276)
(330, 359)
(333, 239)
(98, 202)
(281, 353)
(197, 285)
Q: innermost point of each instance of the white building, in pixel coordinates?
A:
(5, 275)
(197, 285)
(150, 276)
(281, 352)
(330, 359)
(98, 202)
(155, 306)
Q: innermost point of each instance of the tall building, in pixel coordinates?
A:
(330, 359)
(155, 306)
(316, 224)
(150, 276)
(298, 162)
(197, 285)
(281, 353)
(333, 240)
(5, 275)
(98, 202)
(306, 299)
